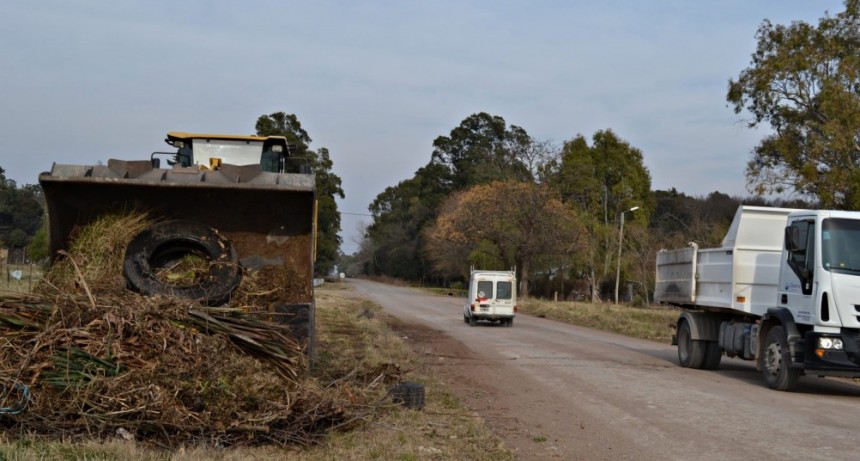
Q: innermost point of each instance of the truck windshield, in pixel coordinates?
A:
(840, 245)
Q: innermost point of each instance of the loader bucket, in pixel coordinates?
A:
(269, 218)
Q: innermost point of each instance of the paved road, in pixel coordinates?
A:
(556, 391)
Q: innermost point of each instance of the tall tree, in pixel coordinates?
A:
(399, 214)
(328, 184)
(602, 180)
(522, 220)
(482, 149)
(804, 81)
(20, 212)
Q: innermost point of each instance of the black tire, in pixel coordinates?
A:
(691, 352)
(163, 243)
(509, 323)
(465, 318)
(472, 320)
(713, 356)
(776, 361)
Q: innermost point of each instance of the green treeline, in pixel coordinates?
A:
(21, 218)
(494, 197)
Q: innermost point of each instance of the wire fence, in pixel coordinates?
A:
(19, 278)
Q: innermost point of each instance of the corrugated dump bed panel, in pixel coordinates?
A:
(676, 275)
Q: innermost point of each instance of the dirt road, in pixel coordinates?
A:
(556, 391)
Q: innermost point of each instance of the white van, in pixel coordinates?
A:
(492, 296)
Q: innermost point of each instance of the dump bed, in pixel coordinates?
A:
(740, 275)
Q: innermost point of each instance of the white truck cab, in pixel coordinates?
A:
(783, 290)
(492, 295)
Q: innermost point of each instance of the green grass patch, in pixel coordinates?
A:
(653, 323)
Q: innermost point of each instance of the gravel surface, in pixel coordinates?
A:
(557, 391)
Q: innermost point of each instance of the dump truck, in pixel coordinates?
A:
(492, 296)
(242, 202)
(783, 290)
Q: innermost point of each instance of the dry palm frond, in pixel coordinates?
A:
(96, 357)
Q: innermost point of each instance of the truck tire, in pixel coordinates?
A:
(713, 355)
(776, 361)
(691, 352)
(165, 242)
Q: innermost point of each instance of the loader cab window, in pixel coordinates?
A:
(274, 155)
(800, 243)
(183, 156)
(840, 245)
(270, 161)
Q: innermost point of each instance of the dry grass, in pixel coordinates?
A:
(96, 254)
(654, 323)
(360, 348)
(99, 360)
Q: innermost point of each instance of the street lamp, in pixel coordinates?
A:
(620, 237)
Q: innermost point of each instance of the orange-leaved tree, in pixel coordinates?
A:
(521, 221)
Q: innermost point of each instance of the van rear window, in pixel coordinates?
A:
(504, 290)
(485, 289)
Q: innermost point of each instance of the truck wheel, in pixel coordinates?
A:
(776, 366)
(713, 355)
(691, 353)
(163, 244)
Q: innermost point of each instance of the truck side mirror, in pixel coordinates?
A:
(792, 238)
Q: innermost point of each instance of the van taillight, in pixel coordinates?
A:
(472, 306)
(515, 309)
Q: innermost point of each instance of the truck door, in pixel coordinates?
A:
(797, 270)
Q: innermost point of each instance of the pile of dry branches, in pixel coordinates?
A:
(84, 357)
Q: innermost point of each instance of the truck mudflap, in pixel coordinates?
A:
(843, 362)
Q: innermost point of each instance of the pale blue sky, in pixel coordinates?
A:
(375, 82)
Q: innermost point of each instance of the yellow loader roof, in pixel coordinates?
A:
(181, 135)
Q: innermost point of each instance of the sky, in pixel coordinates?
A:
(375, 82)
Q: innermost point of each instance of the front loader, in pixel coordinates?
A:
(239, 201)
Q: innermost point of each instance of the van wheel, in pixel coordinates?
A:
(164, 244)
(509, 323)
(465, 318)
(776, 362)
(472, 321)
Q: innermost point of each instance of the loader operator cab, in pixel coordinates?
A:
(209, 151)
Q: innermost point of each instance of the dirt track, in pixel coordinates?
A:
(556, 391)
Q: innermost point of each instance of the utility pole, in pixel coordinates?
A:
(620, 239)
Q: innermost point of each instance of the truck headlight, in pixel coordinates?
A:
(830, 343)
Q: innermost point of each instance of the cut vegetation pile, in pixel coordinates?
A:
(83, 356)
